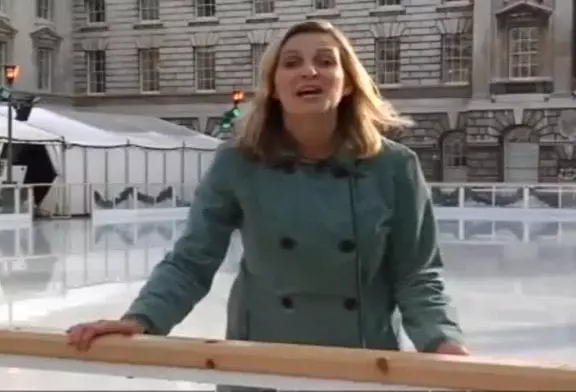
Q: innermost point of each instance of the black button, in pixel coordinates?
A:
(350, 304)
(340, 172)
(347, 246)
(321, 165)
(286, 166)
(287, 243)
(287, 302)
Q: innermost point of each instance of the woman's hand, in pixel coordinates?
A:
(82, 335)
(452, 348)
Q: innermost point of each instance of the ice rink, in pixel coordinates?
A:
(513, 283)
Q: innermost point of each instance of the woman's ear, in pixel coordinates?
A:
(348, 88)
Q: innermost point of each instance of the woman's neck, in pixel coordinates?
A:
(313, 135)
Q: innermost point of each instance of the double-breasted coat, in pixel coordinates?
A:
(330, 251)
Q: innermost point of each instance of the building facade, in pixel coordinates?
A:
(488, 83)
(37, 36)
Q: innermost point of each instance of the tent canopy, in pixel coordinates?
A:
(92, 129)
(23, 132)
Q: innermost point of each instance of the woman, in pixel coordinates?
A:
(336, 221)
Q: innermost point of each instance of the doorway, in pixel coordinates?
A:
(454, 167)
(39, 167)
(521, 156)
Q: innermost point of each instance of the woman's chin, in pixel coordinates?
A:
(312, 108)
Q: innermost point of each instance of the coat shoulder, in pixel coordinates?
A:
(227, 151)
(396, 155)
(227, 159)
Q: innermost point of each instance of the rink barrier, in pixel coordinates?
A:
(312, 362)
(15, 206)
(105, 202)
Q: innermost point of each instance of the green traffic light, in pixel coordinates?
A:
(235, 112)
(225, 125)
(5, 93)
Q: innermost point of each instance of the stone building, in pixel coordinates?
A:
(489, 83)
(36, 35)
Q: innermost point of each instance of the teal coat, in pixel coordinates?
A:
(330, 251)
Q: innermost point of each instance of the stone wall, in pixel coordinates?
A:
(486, 132)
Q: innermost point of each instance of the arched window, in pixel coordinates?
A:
(454, 165)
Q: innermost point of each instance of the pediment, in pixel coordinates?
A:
(6, 29)
(524, 8)
(46, 36)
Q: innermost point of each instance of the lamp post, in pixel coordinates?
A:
(237, 97)
(10, 74)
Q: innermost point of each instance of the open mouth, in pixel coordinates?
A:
(309, 92)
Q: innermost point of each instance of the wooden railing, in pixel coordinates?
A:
(371, 367)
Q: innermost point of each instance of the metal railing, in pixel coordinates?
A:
(504, 195)
(15, 200)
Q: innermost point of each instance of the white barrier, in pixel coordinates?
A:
(113, 202)
(15, 206)
(101, 217)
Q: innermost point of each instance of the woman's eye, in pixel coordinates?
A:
(289, 63)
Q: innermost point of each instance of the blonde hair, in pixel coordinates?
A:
(363, 116)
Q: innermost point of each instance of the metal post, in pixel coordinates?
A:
(9, 144)
(10, 194)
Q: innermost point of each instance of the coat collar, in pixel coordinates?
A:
(344, 158)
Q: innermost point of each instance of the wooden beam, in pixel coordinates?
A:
(392, 368)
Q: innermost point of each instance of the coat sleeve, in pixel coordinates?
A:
(416, 262)
(185, 275)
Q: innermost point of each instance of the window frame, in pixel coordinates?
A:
(44, 58)
(149, 70)
(457, 49)
(95, 77)
(149, 10)
(381, 47)
(205, 55)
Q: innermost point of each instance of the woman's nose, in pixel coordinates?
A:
(309, 70)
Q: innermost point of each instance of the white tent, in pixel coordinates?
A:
(113, 159)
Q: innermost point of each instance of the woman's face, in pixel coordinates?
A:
(309, 78)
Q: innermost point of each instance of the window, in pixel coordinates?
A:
(205, 63)
(324, 4)
(149, 10)
(192, 123)
(44, 59)
(44, 9)
(388, 60)
(149, 70)
(96, 11)
(263, 6)
(454, 150)
(96, 71)
(212, 125)
(454, 163)
(205, 8)
(257, 52)
(383, 3)
(456, 58)
(524, 52)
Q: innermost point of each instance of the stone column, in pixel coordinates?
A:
(561, 23)
(482, 48)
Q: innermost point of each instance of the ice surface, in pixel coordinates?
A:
(513, 284)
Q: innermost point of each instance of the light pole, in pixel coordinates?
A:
(10, 74)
